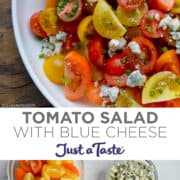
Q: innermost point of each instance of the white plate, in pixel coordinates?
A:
(29, 49)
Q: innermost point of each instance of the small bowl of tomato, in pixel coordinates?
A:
(45, 170)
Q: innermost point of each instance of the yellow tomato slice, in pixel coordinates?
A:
(29, 176)
(176, 8)
(54, 68)
(131, 18)
(54, 162)
(106, 22)
(51, 3)
(126, 99)
(49, 21)
(162, 86)
(54, 171)
(85, 28)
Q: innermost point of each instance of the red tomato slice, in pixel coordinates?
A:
(145, 62)
(69, 27)
(95, 51)
(163, 5)
(173, 103)
(19, 174)
(129, 5)
(116, 65)
(35, 26)
(78, 73)
(150, 24)
(36, 166)
(25, 165)
(93, 94)
(120, 81)
(72, 168)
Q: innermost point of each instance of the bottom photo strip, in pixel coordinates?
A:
(89, 170)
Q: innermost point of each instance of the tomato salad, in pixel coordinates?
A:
(117, 53)
(46, 170)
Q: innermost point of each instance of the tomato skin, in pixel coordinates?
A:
(134, 60)
(128, 5)
(120, 81)
(93, 94)
(25, 165)
(173, 103)
(78, 71)
(115, 66)
(36, 27)
(19, 174)
(95, 51)
(69, 27)
(36, 166)
(150, 27)
(163, 5)
(168, 61)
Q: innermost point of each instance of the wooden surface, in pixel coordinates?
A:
(16, 87)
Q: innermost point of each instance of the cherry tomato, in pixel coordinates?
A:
(168, 61)
(69, 27)
(70, 43)
(120, 81)
(54, 68)
(49, 21)
(133, 32)
(88, 6)
(25, 165)
(36, 27)
(150, 24)
(163, 5)
(129, 5)
(19, 174)
(95, 51)
(173, 103)
(116, 65)
(144, 61)
(78, 72)
(93, 94)
(69, 10)
(36, 166)
(51, 3)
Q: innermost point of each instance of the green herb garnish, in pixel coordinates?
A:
(41, 56)
(123, 60)
(164, 49)
(149, 18)
(65, 80)
(152, 93)
(128, 71)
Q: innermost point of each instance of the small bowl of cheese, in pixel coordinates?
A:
(132, 170)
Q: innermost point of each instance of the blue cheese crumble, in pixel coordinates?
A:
(110, 92)
(116, 45)
(135, 48)
(136, 79)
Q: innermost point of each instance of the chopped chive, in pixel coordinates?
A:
(65, 80)
(134, 23)
(149, 30)
(123, 60)
(152, 93)
(164, 49)
(149, 18)
(38, 37)
(160, 91)
(177, 80)
(119, 84)
(61, 4)
(128, 71)
(41, 55)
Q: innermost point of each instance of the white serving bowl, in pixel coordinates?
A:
(29, 49)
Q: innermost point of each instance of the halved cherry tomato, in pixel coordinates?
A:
(69, 27)
(88, 6)
(150, 24)
(70, 43)
(25, 165)
(120, 81)
(95, 51)
(69, 10)
(36, 166)
(19, 174)
(145, 61)
(93, 94)
(78, 72)
(168, 61)
(36, 27)
(51, 3)
(116, 65)
(129, 5)
(49, 21)
(133, 32)
(163, 5)
(72, 168)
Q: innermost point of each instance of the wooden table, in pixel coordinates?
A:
(16, 87)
